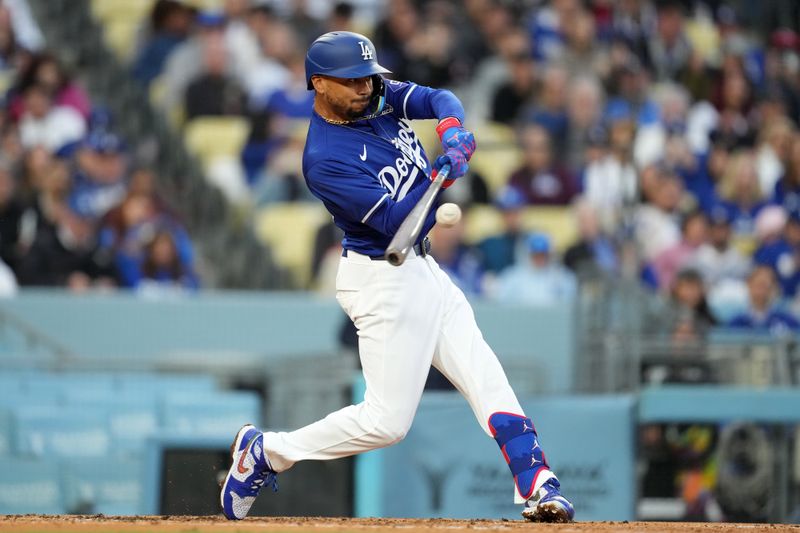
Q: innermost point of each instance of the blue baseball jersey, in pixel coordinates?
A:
(363, 170)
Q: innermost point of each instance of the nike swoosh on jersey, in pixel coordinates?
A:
(363, 156)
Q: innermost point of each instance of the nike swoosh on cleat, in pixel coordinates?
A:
(240, 466)
(363, 156)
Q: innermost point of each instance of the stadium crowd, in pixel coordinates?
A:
(76, 207)
(669, 127)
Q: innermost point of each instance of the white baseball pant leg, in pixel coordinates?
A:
(407, 318)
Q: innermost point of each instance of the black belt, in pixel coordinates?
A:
(422, 249)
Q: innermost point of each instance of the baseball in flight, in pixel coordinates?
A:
(448, 215)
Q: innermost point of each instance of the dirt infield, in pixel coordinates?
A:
(206, 524)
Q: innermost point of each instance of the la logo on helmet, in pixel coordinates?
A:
(366, 53)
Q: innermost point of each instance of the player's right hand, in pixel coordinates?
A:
(458, 165)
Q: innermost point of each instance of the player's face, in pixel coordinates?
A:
(344, 98)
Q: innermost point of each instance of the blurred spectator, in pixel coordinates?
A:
(240, 37)
(548, 26)
(780, 247)
(26, 30)
(594, 252)
(307, 27)
(629, 95)
(162, 266)
(763, 314)
(493, 71)
(584, 53)
(716, 260)
(44, 124)
(584, 115)
(263, 142)
(398, 27)
(99, 175)
(11, 210)
(669, 49)
(634, 21)
(511, 97)
(278, 43)
(667, 264)
(656, 226)
(501, 251)
(131, 227)
(550, 105)
(186, 62)
(539, 180)
(740, 192)
(693, 317)
(11, 53)
(734, 102)
(214, 92)
(538, 280)
(293, 100)
(666, 140)
(781, 69)
(169, 25)
(456, 258)
(45, 71)
(58, 246)
(773, 152)
(703, 178)
(787, 189)
(611, 182)
(341, 17)
(282, 178)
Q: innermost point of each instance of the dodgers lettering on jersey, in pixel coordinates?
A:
(360, 169)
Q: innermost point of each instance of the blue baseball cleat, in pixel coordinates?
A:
(249, 471)
(548, 505)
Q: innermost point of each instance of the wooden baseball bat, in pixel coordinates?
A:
(407, 233)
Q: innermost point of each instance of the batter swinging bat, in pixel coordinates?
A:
(409, 230)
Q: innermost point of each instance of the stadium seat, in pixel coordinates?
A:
(497, 155)
(210, 414)
(63, 431)
(557, 222)
(210, 138)
(30, 486)
(481, 221)
(110, 491)
(289, 229)
(120, 35)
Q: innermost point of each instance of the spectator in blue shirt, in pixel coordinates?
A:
(763, 314)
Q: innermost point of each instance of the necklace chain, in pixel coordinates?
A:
(384, 111)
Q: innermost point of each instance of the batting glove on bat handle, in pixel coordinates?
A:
(453, 135)
(457, 163)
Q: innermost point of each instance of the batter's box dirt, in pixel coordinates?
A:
(206, 524)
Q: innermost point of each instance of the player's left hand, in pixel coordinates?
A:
(458, 166)
(454, 135)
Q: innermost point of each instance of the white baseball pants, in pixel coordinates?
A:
(408, 318)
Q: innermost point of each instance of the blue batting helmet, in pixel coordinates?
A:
(342, 54)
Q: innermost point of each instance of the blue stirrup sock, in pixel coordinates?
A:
(517, 439)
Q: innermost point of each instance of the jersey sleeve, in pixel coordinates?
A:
(350, 193)
(412, 101)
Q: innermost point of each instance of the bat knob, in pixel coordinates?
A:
(395, 258)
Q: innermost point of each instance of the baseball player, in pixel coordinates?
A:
(364, 162)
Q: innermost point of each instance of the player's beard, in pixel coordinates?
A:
(352, 109)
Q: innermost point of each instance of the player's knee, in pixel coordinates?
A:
(390, 433)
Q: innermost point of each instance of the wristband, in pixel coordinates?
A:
(445, 124)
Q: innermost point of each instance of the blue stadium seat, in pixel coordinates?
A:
(221, 413)
(112, 490)
(131, 417)
(61, 431)
(30, 486)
